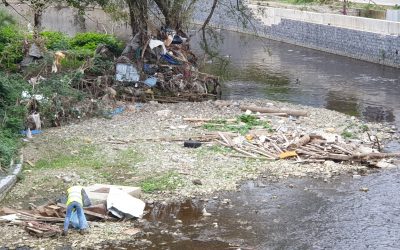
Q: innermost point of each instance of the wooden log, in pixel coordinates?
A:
(342, 149)
(305, 152)
(248, 157)
(262, 149)
(262, 153)
(273, 110)
(244, 152)
(226, 139)
(276, 147)
(191, 119)
(370, 156)
(89, 213)
(300, 142)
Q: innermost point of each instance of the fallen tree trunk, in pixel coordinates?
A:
(274, 110)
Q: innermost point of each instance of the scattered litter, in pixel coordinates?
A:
(33, 132)
(34, 51)
(126, 73)
(155, 43)
(191, 144)
(151, 81)
(117, 111)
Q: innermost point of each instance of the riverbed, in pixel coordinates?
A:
(354, 209)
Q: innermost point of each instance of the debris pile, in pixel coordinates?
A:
(46, 220)
(158, 67)
(253, 138)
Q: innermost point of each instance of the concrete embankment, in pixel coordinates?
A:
(7, 182)
(367, 39)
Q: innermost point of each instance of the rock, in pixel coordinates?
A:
(356, 176)
(384, 164)
(248, 112)
(178, 221)
(164, 113)
(132, 231)
(67, 179)
(330, 130)
(197, 182)
(205, 213)
(364, 189)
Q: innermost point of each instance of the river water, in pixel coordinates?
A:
(262, 68)
(299, 213)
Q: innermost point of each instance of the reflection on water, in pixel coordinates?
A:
(263, 68)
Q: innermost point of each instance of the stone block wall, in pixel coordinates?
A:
(359, 44)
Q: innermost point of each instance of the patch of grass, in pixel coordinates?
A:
(128, 158)
(243, 124)
(85, 157)
(214, 149)
(167, 181)
(347, 134)
(364, 128)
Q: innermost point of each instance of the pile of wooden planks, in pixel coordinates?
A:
(46, 220)
(307, 148)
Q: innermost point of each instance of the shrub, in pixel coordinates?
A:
(11, 43)
(8, 147)
(55, 40)
(88, 42)
(12, 115)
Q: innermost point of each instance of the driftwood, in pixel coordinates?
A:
(42, 230)
(304, 149)
(189, 119)
(274, 110)
(300, 142)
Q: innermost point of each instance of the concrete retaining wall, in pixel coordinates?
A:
(6, 183)
(367, 39)
(273, 16)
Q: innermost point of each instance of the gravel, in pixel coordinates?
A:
(216, 170)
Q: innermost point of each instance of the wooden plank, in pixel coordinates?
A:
(274, 110)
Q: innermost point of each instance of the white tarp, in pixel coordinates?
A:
(124, 205)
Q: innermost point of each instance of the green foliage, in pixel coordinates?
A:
(11, 42)
(86, 43)
(12, 115)
(9, 146)
(6, 19)
(85, 157)
(243, 124)
(60, 95)
(167, 181)
(55, 40)
(364, 128)
(347, 134)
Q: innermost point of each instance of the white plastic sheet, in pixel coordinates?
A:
(124, 205)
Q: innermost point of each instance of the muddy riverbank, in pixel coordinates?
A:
(114, 151)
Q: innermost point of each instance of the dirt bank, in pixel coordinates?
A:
(141, 147)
